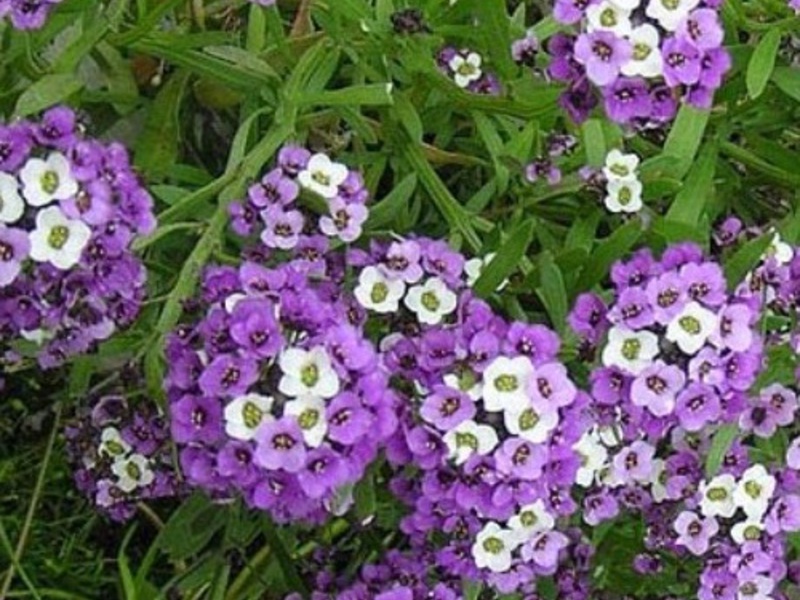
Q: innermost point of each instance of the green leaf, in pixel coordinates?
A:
(691, 201)
(471, 590)
(385, 211)
(788, 81)
(720, 444)
(48, 91)
(553, 292)
(506, 261)
(595, 142)
(761, 64)
(611, 249)
(191, 527)
(745, 259)
(684, 139)
(375, 94)
(287, 564)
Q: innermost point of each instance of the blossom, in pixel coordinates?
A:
(377, 292)
(754, 491)
(12, 205)
(57, 239)
(466, 69)
(310, 414)
(492, 548)
(690, 328)
(506, 382)
(44, 181)
(623, 196)
(431, 301)
(603, 54)
(322, 176)
(307, 372)
(630, 350)
(717, 496)
(245, 414)
(470, 438)
(695, 533)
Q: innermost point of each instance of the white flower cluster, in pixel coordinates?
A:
(131, 469)
(57, 238)
(623, 188)
(431, 300)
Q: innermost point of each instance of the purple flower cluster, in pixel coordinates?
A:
(70, 208)
(274, 207)
(465, 67)
(27, 14)
(121, 455)
(489, 422)
(640, 57)
(275, 393)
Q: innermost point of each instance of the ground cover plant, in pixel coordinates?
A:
(399, 299)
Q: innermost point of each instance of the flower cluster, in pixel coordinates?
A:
(27, 14)
(465, 67)
(121, 454)
(70, 208)
(275, 393)
(275, 207)
(641, 55)
(489, 422)
(623, 190)
(545, 167)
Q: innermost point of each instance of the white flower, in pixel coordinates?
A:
(466, 383)
(593, 456)
(748, 530)
(44, 181)
(670, 13)
(658, 487)
(474, 268)
(646, 59)
(132, 472)
(632, 351)
(754, 491)
(323, 176)
(505, 383)
(112, 444)
(493, 547)
(779, 250)
(629, 5)
(623, 195)
(530, 520)
(691, 327)
(756, 587)
(245, 414)
(57, 239)
(310, 414)
(717, 496)
(11, 203)
(377, 292)
(37, 336)
(529, 423)
(620, 166)
(431, 301)
(231, 301)
(307, 373)
(470, 438)
(466, 69)
(608, 16)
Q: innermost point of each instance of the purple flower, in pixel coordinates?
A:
(196, 419)
(403, 261)
(445, 408)
(628, 98)
(323, 472)
(694, 532)
(697, 406)
(702, 28)
(228, 375)
(283, 227)
(635, 462)
(544, 549)
(603, 53)
(656, 388)
(681, 62)
(279, 445)
(14, 248)
(254, 327)
(345, 220)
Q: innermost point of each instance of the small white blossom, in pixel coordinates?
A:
(632, 351)
(717, 496)
(112, 444)
(493, 547)
(593, 456)
(11, 203)
(470, 438)
(323, 176)
(754, 491)
(690, 328)
(620, 166)
(307, 373)
(658, 487)
(623, 195)
(245, 414)
(608, 16)
(132, 472)
(670, 13)
(432, 301)
(646, 59)
(310, 414)
(57, 239)
(44, 181)
(468, 384)
(748, 530)
(505, 383)
(527, 422)
(530, 520)
(377, 292)
(475, 267)
(466, 69)
(779, 250)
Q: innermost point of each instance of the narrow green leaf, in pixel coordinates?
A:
(788, 81)
(375, 94)
(761, 64)
(48, 91)
(720, 444)
(684, 139)
(287, 564)
(594, 141)
(552, 291)
(691, 201)
(745, 259)
(385, 211)
(506, 261)
(609, 250)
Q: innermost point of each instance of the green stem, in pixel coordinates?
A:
(756, 163)
(37, 494)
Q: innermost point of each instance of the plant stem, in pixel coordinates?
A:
(37, 493)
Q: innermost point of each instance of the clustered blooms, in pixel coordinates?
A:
(680, 355)
(275, 208)
(545, 167)
(642, 56)
(623, 190)
(122, 455)
(489, 419)
(27, 14)
(275, 393)
(465, 67)
(70, 208)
